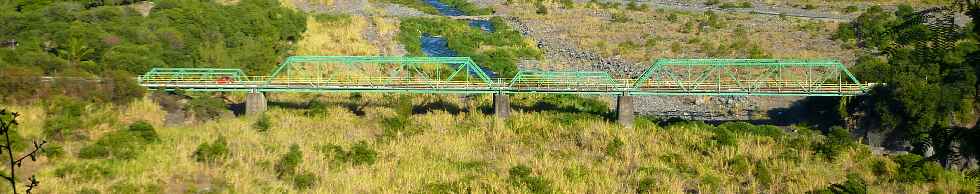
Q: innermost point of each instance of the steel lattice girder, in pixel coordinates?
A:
(195, 73)
(763, 77)
(405, 65)
(666, 77)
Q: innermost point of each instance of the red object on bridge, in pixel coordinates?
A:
(224, 80)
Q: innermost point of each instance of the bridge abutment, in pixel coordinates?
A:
(255, 103)
(624, 110)
(501, 106)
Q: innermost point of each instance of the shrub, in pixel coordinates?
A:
(144, 130)
(64, 121)
(359, 154)
(724, 137)
(286, 166)
(53, 150)
(646, 185)
(763, 174)
(304, 180)
(915, 169)
(712, 2)
(851, 9)
(119, 87)
(520, 176)
(212, 152)
(206, 108)
(853, 185)
(838, 140)
(124, 144)
(263, 124)
(541, 9)
(614, 147)
(84, 170)
(620, 18)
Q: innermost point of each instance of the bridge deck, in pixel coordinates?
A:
(693, 77)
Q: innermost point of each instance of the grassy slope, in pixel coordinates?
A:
(455, 151)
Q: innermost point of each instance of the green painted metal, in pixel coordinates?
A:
(761, 77)
(454, 75)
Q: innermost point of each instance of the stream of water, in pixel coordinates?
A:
(437, 46)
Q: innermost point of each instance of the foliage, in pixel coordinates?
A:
(498, 50)
(838, 139)
(520, 176)
(212, 152)
(122, 144)
(175, 33)
(119, 87)
(359, 153)
(64, 120)
(540, 9)
(915, 169)
(614, 147)
(304, 180)
(620, 17)
(144, 130)
(467, 7)
(263, 124)
(747, 128)
(853, 185)
(206, 108)
(927, 70)
(287, 164)
(8, 122)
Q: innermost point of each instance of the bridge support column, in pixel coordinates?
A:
(501, 105)
(255, 103)
(624, 110)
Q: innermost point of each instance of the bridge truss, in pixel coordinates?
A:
(694, 77)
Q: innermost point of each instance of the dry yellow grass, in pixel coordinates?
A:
(470, 149)
(337, 37)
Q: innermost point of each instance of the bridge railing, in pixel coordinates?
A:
(756, 77)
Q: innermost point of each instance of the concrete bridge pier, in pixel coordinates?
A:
(255, 103)
(501, 105)
(624, 110)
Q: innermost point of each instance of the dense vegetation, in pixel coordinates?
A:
(84, 38)
(928, 72)
(498, 50)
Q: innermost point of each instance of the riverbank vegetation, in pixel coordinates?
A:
(499, 50)
(444, 144)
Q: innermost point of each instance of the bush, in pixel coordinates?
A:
(206, 108)
(119, 87)
(123, 144)
(263, 124)
(838, 140)
(145, 130)
(520, 176)
(212, 152)
(52, 150)
(359, 154)
(84, 170)
(747, 128)
(286, 166)
(64, 121)
(304, 180)
(614, 147)
(853, 185)
(540, 8)
(620, 18)
(724, 137)
(915, 169)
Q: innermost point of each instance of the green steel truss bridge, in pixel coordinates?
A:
(460, 75)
